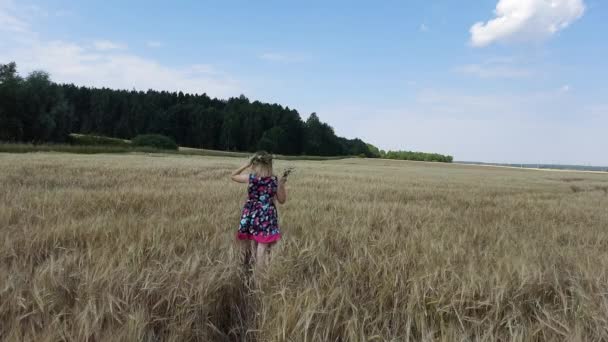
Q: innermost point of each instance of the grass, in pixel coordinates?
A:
(112, 247)
(117, 148)
(65, 148)
(86, 139)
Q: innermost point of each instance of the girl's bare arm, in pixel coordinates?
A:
(282, 191)
(238, 177)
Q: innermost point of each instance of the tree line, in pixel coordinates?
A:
(35, 109)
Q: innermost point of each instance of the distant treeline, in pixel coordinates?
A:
(409, 155)
(419, 156)
(36, 110)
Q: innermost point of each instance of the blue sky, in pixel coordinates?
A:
(489, 80)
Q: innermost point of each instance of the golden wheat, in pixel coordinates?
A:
(141, 248)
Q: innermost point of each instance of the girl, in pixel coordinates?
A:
(259, 228)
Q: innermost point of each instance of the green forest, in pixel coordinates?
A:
(34, 109)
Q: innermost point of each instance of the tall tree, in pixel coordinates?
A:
(273, 140)
(45, 114)
(11, 126)
(320, 138)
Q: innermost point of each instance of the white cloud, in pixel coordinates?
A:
(104, 63)
(598, 111)
(423, 28)
(73, 63)
(105, 45)
(9, 21)
(526, 20)
(500, 67)
(203, 69)
(154, 44)
(565, 88)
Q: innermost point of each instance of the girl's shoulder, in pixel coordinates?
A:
(254, 176)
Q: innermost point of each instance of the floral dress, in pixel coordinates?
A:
(259, 219)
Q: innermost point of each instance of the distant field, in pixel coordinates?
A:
(544, 166)
(136, 247)
(97, 149)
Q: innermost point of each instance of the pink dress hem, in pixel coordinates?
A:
(259, 238)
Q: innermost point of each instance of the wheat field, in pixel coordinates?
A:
(141, 247)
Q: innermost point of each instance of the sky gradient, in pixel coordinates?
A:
(517, 81)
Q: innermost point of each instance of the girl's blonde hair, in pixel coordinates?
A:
(262, 163)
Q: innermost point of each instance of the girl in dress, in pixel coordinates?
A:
(259, 225)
